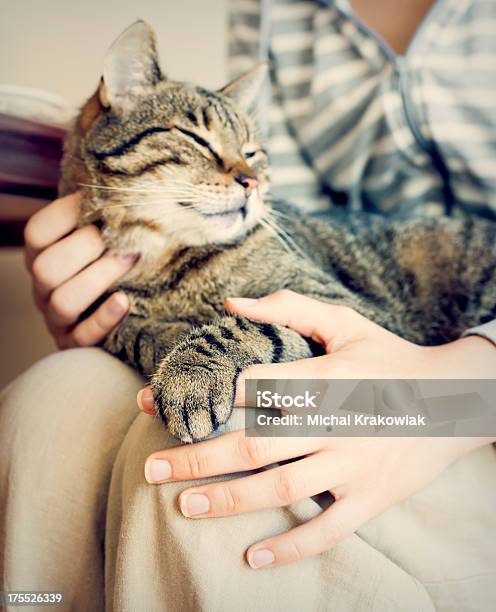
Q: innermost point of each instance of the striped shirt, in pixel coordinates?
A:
(352, 123)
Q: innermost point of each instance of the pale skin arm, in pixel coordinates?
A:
(365, 475)
(70, 270)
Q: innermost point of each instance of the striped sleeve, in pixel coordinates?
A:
(244, 36)
(487, 330)
(292, 178)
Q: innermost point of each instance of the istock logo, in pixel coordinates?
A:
(269, 399)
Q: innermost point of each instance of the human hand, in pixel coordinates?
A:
(365, 475)
(357, 348)
(70, 271)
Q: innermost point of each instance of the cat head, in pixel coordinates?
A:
(162, 163)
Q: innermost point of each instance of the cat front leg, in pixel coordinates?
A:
(142, 342)
(195, 384)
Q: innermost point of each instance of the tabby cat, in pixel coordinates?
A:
(178, 175)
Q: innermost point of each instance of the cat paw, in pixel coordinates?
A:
(193, 396)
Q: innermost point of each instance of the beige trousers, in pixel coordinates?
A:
(77, 516)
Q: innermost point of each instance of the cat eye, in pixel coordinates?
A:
(250, 154)
(202, 142)
(189, 134)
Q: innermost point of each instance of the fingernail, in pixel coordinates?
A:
(261, 558)
(242, 302)
(194, 503)
(118, 304)
(157, 470)
(145, 400)
(129, 260)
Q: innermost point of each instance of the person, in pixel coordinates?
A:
(373, 107)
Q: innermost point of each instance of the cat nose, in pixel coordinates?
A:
(247, 182)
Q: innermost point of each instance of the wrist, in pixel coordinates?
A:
(460, 446)
(467, 357)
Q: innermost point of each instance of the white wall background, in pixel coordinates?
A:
(58, 46)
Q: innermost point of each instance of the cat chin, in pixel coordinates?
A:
(228, 228)
(155, 248)
(201, 231)
(223, 228)
(216, 234)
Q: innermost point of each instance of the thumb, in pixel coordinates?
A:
(307, 316)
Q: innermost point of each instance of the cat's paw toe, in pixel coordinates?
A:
(193, 399)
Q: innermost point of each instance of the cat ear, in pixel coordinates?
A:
(130, 67)
(246, 90)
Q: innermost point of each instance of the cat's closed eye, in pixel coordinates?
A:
(250, 154)
(201, 142)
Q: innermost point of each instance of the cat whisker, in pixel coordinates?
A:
(287, 237)
(183, 184)
(278, 213)
(110, 188)
(172, 190)
(143, 204)
(263, 222)
(184, 188)
(284, 236)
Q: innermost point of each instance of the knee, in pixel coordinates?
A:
(147, 435)
(56, 366)
(66, 383)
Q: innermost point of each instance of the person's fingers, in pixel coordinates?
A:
(273, 488)
(320, 534)
(309, 317)
(50, 224)
(227, 454)
(310, 368)
(98, 325)
(72, 298)
(65, 258)
(146, 402)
